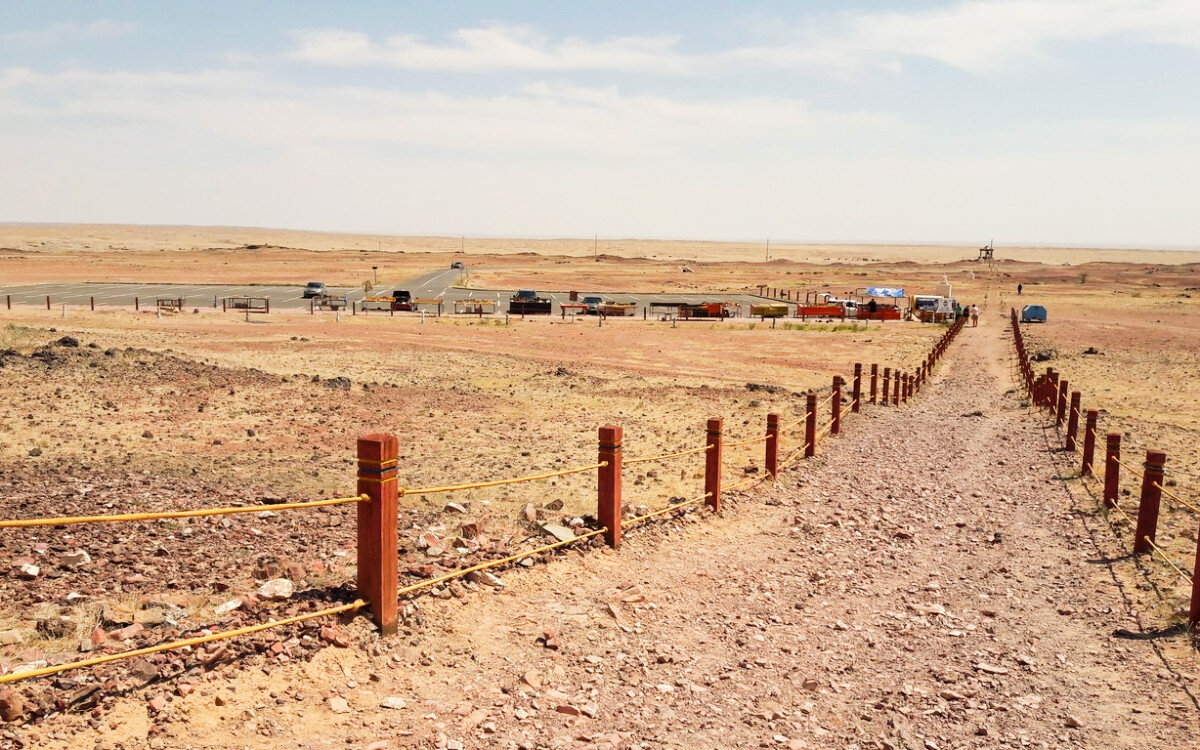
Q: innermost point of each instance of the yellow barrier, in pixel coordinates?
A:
(662, 511)
(198, 641)
(664, 457)
(1166, 559)
(178, 513)
(498, 482)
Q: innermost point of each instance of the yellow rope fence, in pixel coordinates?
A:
(747, 441)
(1177, 498)
(663, 511)
(1166, 559)
(498, 482)
(664, 457)
(179, 513)
(1128, 468)
(197, 641)
(500, 561)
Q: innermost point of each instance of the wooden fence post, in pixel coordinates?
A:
(47, 301)
(93, 301)
(810, 426)
(856, 393)
(608, 483)
(772, 457)
(1112, 469)
(874, 382)
(377, 534)
(712, 465)
(1073, 420)
(135, 304)
(1060, 415)
(887, 374)
(1089, 443)
(835, 406)
(1194, 612)
(897, 382)
(1147, 517)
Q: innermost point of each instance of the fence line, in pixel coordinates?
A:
(379, 491)
(1049, 391)
(225, 511)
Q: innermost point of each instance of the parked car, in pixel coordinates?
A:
(458, 264)
(593, 304)
(314, 289)
(1033, 314)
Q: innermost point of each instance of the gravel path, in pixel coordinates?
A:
(922, 584)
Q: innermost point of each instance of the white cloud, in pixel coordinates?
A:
(539, 118)
(69, 31)
(979, 36)
(490, 49)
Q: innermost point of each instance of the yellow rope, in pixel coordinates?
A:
(357, 604)
(747, 441)
(179, 513)
(498, 482)
(747, 483)
(793, 425)
(664, 457)
(1166, 559)
(1121, 510)
(1130, 469)
(662, 511)
(824, 431)
(494, 563)
(798, 453)
(1177, 498)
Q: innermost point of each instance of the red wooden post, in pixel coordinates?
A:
(1051, 389)
(93, 299)
(712, 465)
(835, 406)
(377, 535)
(1147, 517)
(874, 382)
(47, 301)
(1060, 414)
(1112, 469)
(856, 393)
(772, 458)
(135, 304)
(1194, 612)
(608, 483)
(1089, 443)
(896, 389)
(810, 426)
(8, 300)
(267, 304)
(222, 304)
(887, 374)
(1073, 420)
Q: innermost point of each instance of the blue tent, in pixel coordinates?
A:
(1033, 314)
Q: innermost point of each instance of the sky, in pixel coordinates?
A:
(1043, 121)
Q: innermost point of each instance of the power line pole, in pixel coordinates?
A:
(596, 246)
(768, 248)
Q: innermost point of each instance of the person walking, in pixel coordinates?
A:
(1019, 288)
(974, 316)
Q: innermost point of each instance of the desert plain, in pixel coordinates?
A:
(939, 575)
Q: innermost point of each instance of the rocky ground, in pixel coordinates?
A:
(928, 582)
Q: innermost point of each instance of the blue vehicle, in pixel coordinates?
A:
(1033, 314)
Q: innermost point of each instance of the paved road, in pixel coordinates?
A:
(432, 285)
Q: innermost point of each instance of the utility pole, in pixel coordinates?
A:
(462, 243)
(596, 246)
(768, 248)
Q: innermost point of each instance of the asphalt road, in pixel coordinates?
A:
(437, 285)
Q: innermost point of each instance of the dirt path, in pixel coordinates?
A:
(924, 584)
